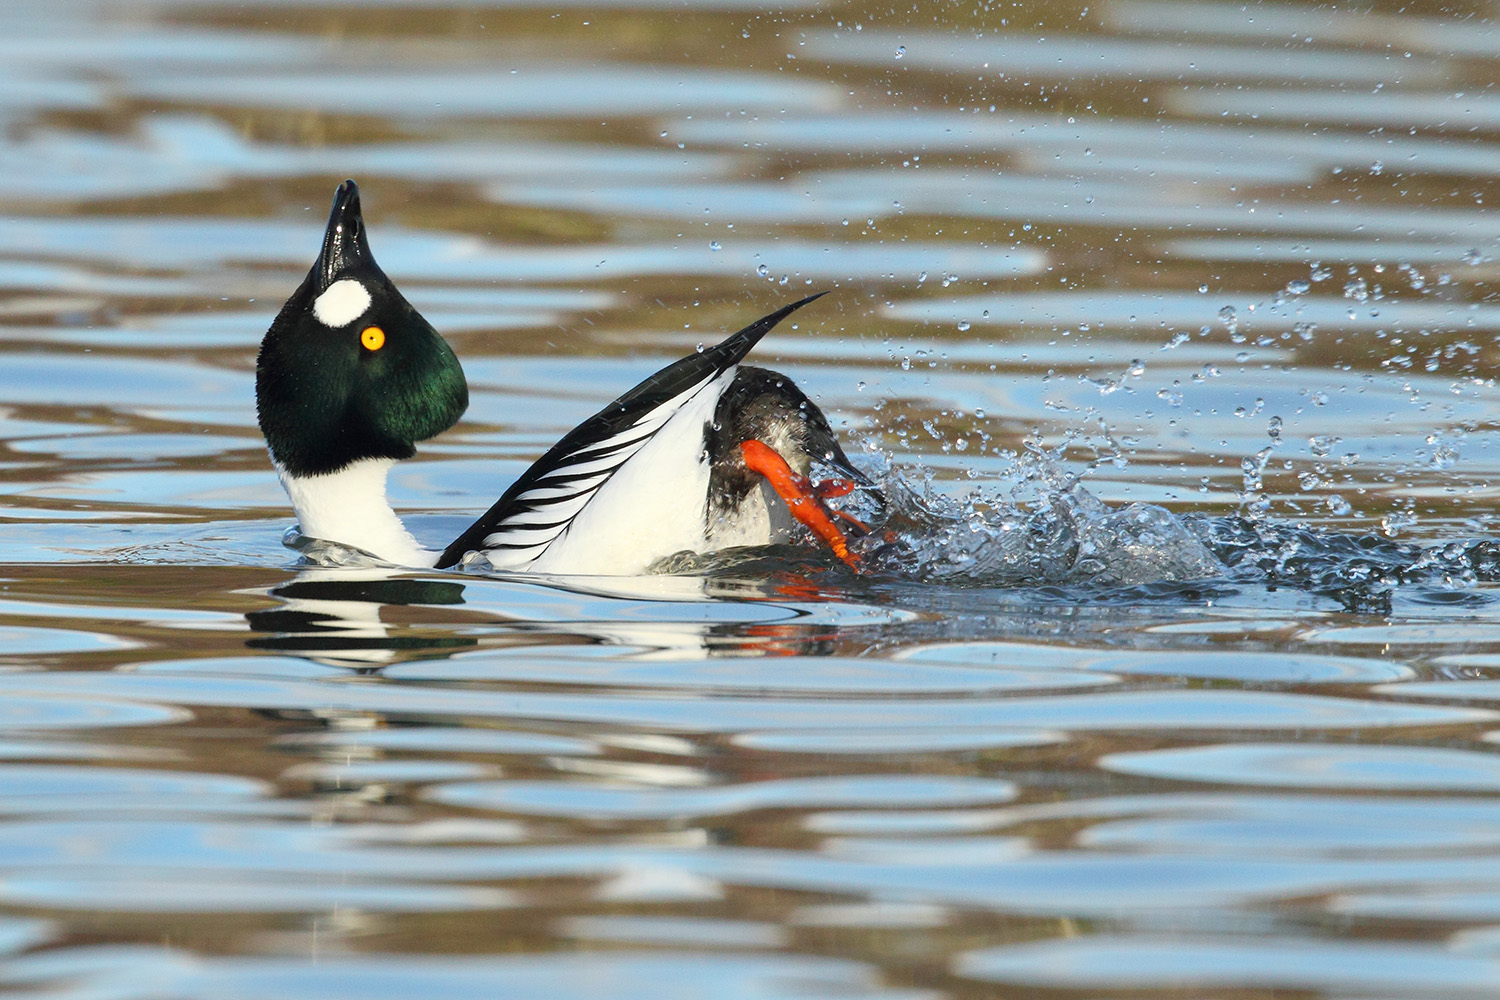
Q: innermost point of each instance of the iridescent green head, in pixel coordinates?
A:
(349, 370)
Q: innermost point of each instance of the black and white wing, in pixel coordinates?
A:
(539, 506)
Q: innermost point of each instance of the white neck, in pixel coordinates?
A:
(349, 507)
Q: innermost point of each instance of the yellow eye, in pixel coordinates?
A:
(373, 338)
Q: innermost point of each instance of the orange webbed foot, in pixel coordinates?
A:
(803, 497)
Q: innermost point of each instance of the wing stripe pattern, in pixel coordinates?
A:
(539, 506)
(541, 515)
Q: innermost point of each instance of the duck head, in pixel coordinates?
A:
(349, 370)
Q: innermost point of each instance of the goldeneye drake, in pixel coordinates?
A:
(704, 455)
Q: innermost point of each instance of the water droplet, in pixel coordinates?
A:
(716, 245)
(1396, 522)
(900, 51)
(762, 270)
(963, 325)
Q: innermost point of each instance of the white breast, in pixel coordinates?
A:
(762, 518)
(349, 507)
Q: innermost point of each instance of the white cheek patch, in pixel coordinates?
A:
(344, 302)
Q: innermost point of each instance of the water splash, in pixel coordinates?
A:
(1364, 571)
(1035, 525)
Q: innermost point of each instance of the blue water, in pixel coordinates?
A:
(1169, 326)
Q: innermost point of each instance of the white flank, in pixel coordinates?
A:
(342, 303)
(574, 483)
(349, 507)
(653, 506)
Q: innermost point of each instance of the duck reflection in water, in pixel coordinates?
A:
(368, 617)
(334, 616)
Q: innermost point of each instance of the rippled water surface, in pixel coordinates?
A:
(1232, 264)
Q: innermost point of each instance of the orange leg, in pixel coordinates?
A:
(801, 496)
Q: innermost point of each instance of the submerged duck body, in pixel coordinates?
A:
(706, 454)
